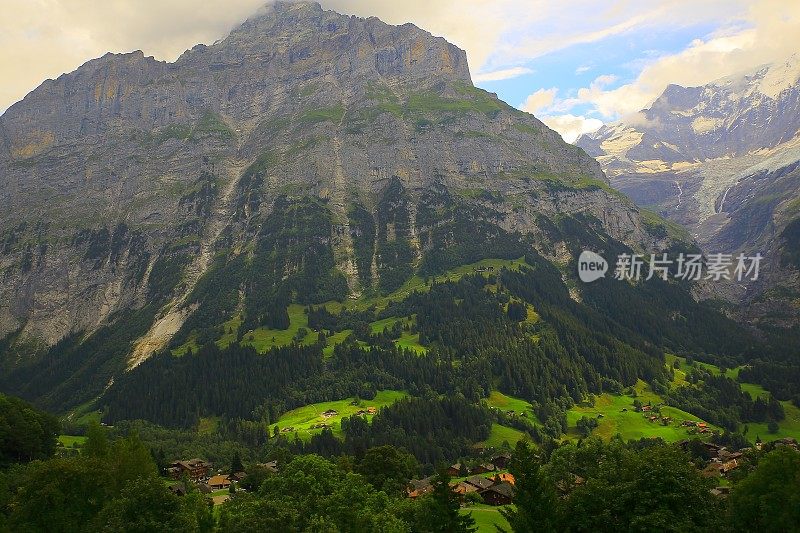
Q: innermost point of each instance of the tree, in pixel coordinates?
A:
(535, 501)
(236, 463)
(652, 489)
(96, 441)
(439, 511)
(773, 427)
(769, 498)
(25, 432)
(388, 469)
(147, 505)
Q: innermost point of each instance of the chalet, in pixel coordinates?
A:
(271, 467)
(418, 487)
(481, 483)
(646, 408)
(500, 494)
(720, 492)
(204, 488)
(712, 470)
(727, 466)
(702, 425)
(237, 476)
(179, 489)
(219, 482)
(713, 449)
(454, 470)
(464, 488)
(371, 410)
(482, 469)
(688, 423)
(652, 418)
(504, 478)
(195, 469)
(330, 413)
(502, 460)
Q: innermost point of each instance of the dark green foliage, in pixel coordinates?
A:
(394, 253)
(176, 391)
(25, 432)
(454, 233)
(433, 430)
(115, 488)
(293, 256)
(362, 230)
(74, 370)
(311, 494)
(388, 468)
(722, 402)
(440, 510)
(165, 275)
(769, 498)
(535, 497)
(791, 244)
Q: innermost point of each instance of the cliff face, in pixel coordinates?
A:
(130, 183)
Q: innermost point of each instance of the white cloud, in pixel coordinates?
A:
(504, 74)
(731, 50)
(571, 126)
(582, 69)
(541, 99)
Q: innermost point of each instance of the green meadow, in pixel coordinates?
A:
(487, 518)
(301, 419)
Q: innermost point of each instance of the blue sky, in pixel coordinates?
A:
(570, 69)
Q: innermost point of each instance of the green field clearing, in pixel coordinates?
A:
(788, 427)
(487, 518)
(508, 403)
(302, 418)
(231, 330)
(70, 441)
(262, 339)
(417, 283)
(501, 435)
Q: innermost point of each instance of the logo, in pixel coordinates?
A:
(591, 266)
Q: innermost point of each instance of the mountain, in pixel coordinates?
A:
(289, 190)
(724, 160)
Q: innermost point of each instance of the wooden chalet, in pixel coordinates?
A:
(195, 469)
(499, 494)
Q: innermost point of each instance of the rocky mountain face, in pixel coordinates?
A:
(723, 160)
(307, 157)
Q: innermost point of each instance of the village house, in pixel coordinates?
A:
(271, 467)
(502, 460)
(418, 487)
(482, 469)
(454, 470)
(220, 481)
(480, 482)
(500, 494)
(330, 413)
(504, 477)
(195, 469)
(463, 488)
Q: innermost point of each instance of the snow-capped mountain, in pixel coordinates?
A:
(722, 159)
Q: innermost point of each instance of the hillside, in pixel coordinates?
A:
(309, 157)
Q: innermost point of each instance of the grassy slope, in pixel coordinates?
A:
(303, 417)
(789, 427)
(486, 517)
(70, 440)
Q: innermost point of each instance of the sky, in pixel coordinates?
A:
(575, 64)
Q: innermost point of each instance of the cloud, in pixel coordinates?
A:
(731, 50)
(505, 74)
(541, 99)
(571, 126)
(582, 69)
